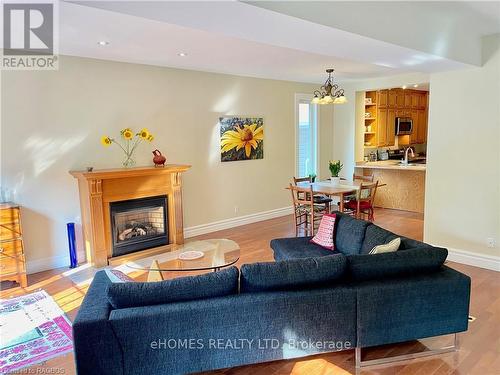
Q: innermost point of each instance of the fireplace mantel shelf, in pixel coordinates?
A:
(102, 174)
(100, 188)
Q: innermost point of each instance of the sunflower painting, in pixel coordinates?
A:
(241, 138)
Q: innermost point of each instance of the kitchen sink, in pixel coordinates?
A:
(408, 165)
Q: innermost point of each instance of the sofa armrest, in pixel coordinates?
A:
(97, 350)
(411, 308)
(403, 263)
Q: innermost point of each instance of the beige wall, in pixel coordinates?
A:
(463, 172)
(52, 122)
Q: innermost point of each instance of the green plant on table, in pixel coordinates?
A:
(335, 167)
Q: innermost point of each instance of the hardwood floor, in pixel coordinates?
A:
(479, 346)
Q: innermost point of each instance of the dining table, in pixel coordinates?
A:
(343, 188)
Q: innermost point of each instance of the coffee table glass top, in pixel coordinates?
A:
(215, 254)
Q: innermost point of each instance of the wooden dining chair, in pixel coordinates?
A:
(355, 177)
(368, 178)
(318, 198)
(306, 212)
(364, 202)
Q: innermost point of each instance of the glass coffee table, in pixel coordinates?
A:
(192, 256)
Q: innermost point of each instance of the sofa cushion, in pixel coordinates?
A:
(408, 243)
(292, 273)
(116, 276)
(326, 232)
(387, 247)
(375, 236)
(350, 234)
(399, 263)
(209, 285)
(297, 247)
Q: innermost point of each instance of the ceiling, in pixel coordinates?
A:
(450, 29)
(259, 40)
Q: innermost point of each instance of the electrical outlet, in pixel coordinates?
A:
(491, 242)
(236, 208)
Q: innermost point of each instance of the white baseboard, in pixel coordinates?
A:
(44, 264)
(489, 262)
(236, 222)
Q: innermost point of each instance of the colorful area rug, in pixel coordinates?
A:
(33, 329)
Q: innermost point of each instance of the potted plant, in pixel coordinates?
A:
(312, 176)
(335, 167)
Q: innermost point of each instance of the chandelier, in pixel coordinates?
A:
(329, 93)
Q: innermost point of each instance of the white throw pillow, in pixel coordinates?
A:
(387, 248)
(116, 276)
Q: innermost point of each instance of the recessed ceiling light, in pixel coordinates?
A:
(103, 42)
(403, 87)
(415, 85)
(182, 54)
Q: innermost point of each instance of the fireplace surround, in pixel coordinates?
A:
(101, 190)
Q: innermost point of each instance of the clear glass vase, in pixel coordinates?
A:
(128, 162)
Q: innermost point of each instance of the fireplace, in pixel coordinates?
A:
(138, 224)
(99, 189)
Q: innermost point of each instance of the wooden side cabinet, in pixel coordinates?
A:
(12, 261)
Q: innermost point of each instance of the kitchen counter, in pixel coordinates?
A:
(390, 164)
(405, 185)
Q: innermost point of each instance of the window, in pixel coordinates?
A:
(306, 130)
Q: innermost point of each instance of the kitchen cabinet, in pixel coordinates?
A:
(400, 99)
(422, 100)
(419, 134)
(388, 104)
(382, 127)
(382, 98)
(391, 99)
(422, 126)
(415, 100)
(408, 99)
(386, 119)
(391, 127)
(403, 113)
(414, 135)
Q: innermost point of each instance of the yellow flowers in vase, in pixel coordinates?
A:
(131, 141)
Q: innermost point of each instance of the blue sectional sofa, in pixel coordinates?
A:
(309, 301)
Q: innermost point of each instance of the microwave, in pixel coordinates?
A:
(404, 125)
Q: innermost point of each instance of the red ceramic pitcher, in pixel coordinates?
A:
(159, 159)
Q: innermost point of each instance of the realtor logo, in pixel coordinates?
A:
(28, 29)
(28, 35)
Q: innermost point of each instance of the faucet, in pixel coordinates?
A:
(405, 161)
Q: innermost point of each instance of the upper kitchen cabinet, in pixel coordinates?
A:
(408, 99)
(419, 134)
(414, 139)
(415, 100)
(391, 99)
(423, 99)
(386, 121)
(382, 127)
(400, 98)
(391, 127)
(382, 107)
(382, 98)
(422, 126)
